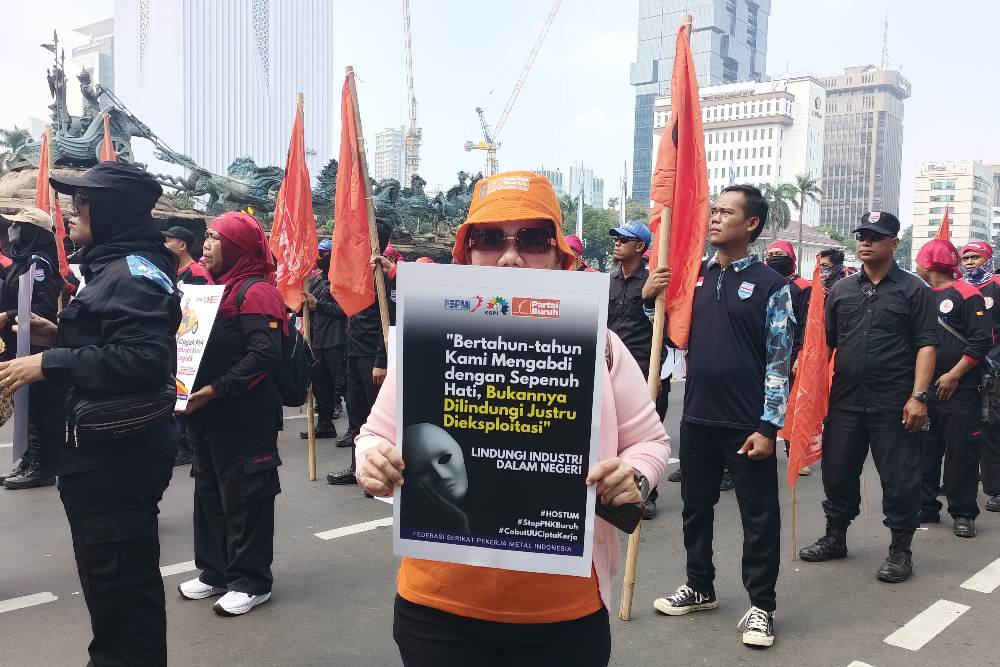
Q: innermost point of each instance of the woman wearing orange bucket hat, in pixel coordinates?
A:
(450, 614)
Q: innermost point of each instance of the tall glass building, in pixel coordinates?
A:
(728, 42)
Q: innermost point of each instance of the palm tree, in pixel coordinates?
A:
(779, 214)
(806, 189)
(12, 139)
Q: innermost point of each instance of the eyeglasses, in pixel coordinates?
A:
(869, 236)
(528, 241)
(79, 199)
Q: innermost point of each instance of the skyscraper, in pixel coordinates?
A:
(728, 42)
(863, 147)
(389, 154)
(581, 178)
(965, 190)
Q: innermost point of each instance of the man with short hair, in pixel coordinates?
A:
(179, 241)
(881, 324)
(831, 266)
(329, 334)
(738, 363)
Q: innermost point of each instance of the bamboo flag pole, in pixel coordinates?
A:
(307, 325)
(795, 539)
(655, 363)
(52, 207)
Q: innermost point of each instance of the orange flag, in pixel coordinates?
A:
(680, 182)
(293, 234)
(107, 147)
(944, 231)
(809, 398)
(352, 282)
(47, 200)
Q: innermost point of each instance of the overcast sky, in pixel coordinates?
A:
(577, 104)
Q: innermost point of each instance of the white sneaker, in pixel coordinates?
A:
(198, 590)
(758, 627)
(235, 603)
(805, 471)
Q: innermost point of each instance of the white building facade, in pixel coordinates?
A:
(389, 155)
(965, 189)
(767, 132)
(581, 177)
(96, 56)
(217, 79)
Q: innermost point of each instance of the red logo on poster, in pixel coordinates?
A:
(526, 307)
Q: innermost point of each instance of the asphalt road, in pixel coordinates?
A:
(332, 602)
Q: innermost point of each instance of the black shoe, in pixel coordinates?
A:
(929, 516)
(30, 479)
(965, 526)
(348, 439)
(685, 600)
(650, 511)
(993, 504)
(758, 627)
(899, 565)
(675, 476)
(727, 483)
(320, 433)
(341, 478)
(22, 467)
(831, 546)
(184, 457)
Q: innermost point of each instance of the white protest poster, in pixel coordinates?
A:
(199, 306)
(499, 375)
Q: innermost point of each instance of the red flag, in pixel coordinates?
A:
(47, 200)
(107, 147)
(680, 182)
(810, 396)
(352, 281)
(944, 231)
(293, 234)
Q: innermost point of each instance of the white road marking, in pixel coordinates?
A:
(26, 601)
(926, 625)
(986, 580)
(858, 663)
(6, 445)
(177, 568)
(356, 528)
(296, 416)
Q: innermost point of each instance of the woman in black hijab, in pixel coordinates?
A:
(116, 339)
(31, 247)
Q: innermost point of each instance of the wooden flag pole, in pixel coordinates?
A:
(307, 325)
(864, 495)
(795, 541)
(383, 305)
(52, 210)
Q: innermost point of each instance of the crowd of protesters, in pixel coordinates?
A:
(910, 355)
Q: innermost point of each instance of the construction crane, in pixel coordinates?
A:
(411, 142)
(491, 142)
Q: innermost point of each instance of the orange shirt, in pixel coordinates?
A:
(490, 594)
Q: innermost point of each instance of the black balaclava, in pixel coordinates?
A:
(783, 264)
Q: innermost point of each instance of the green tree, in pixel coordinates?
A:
(779, 214)
(636, 211)
(597, 242)
(806, 189)
(835, 235)
(903, 250)
(12, 139)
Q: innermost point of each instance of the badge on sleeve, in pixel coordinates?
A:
(745, 290)
(39, 275)
(701, 281)
(946, 306)
(989, 302)
(140, 266)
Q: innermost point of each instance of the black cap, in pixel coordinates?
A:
(881, 222)
(128, 179)
(178, 232)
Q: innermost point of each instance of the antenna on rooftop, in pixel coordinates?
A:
(885, 40)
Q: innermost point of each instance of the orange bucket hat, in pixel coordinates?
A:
(509, 197)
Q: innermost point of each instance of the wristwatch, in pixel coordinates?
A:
(643, 483)
(920, 396)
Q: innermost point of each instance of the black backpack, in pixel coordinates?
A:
(294, 374)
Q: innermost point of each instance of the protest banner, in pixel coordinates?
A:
(499, 403)
(199, 306)
(24, 294)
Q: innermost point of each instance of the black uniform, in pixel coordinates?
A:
(626, 316)
(956, 428)
(801, 290)
(117, 337)
(236, 460)
(329, 335)
(876, 330)
(990, 464)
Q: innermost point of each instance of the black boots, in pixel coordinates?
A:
(348, 439)
(324, 429)
(830, 546)
(899, 565)
(30, 475)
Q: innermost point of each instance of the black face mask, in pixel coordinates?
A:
(323, 263)
(782, 264)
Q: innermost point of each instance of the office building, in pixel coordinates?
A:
(864, 145)
(766, 132)
(389, 155)
(555, 177)
(97, 56)
(728, 44)
(965, 189)
(582, 179)
(218, 80)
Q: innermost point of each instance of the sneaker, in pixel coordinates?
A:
(683, 601)
(196, 589)
(727, 483)
(965, 526)
(650, 510)
(758, 627)
(993, 504)
(805, 471)
(675, 476)
(235, 603)
(929, 516)
(348, 439)
(341, 478)
(184, 457)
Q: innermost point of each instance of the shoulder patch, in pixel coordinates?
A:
(967, 290)
(140, 266)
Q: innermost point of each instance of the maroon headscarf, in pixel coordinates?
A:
(245, 253)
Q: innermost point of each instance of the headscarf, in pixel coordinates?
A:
(786, 247)
(245, 253)
(981, 274)
(424, 260)
(939, 255)
(393, 254)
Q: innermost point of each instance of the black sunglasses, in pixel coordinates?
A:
(528, 241)
(79, 199)
(873, 237)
